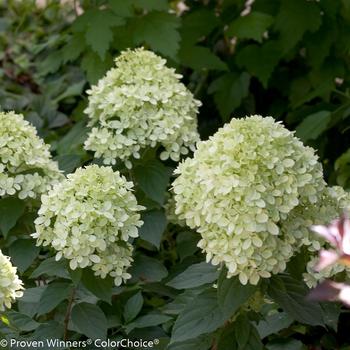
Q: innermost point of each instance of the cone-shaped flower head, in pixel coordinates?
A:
(26, 167)
(141, 103)
(89, 218)
(10, 285)
(239, 186)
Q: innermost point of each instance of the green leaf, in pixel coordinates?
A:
(22, 322)
(23, 252)
(227, 339)
(48, 330)
(313, 125)
(154, 225)
(200, 316)
(68, 162)
(232, 294)
(52, 296)
(246, 335)
(186, 243)
(73, 139)
(197, 24)
(294, 19)
(260, 60)
(132, 307)
(285, 344)
(11, 209)
(51, 267)
(145, 321)
(153, 178)
(147, 269)
(160, 5)
(101, 287)
(95, 67)
(229, 90)
(89, 320)
(198, 57)
(97, 26)
(252, 26)
(160, 31)
(73, 90)
(290, 294)
(203, 342)
(122, 8)
(195, 276)
(273, 324)
(74, 47)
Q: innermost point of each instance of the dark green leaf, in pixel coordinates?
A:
(198, 57)
(313, 125)
(147, 269)
(294, 19)
(246, 335)
(229, 90)
(260, 61)
(252, 26)
(89, 320)
(291, 294)
(51, 267)
(153, 178)
(153, 227)
(23, 252)
(53, 295)
(122, 8)
(132, 307)
(101, 287)
(186, 243)
(159, 31)
(232, 294)
(285, 344)
(145, 321)
(195, 276)
(273, 324)
(11, 209)
(22, 322)
(203, 342)
(200, 316)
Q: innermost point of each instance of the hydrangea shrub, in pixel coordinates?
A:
(89, 218)
(10, 285)
(141, 103)
(26, 167)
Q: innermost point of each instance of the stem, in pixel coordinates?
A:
(68, 312)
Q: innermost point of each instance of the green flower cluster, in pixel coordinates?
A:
(89, 218)
(10, 285)
(238, 191)
(141, 103)
(26, 167)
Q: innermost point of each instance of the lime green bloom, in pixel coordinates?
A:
(26, 167)
(10, 285)
(141, 103)
(238, 189)
(89, 218)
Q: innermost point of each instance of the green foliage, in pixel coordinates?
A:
(288, 59)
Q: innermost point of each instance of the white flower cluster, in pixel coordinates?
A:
(141, 103)
(88, 219)
(331, 205)
(239, 188)
(26, 167)
(10, 285)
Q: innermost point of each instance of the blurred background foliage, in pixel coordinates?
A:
(284, 58)
(288, 59)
